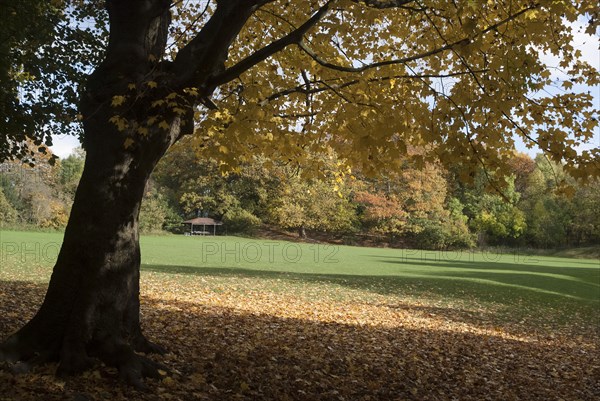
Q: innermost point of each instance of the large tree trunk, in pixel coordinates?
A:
(92, 304)
(91, 308)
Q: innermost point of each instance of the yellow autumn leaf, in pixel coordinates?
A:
(151, 84)
(470, 26)
(117, 101)
(120, 122)
(128, 142)
(197, 378)
(531, 14)
(164, 125)
(191, 91)
(168, 381)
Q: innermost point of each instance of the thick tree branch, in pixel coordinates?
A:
(381, 4)
(204, 56)
(257, 57)
(138, 30)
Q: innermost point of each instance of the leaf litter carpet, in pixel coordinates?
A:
(249, 339)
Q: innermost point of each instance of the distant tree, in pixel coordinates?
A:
(585, 226)
(8, 185)
(153, 212)
(311, 205)
(522, 166)
(35, 191)
(8, 214)
(194, 184)
(240, 221)
(381, 214)
(549, 213)
(414, 205)
(495, 217)
(70, 171)
(497, 221)
(423, 193)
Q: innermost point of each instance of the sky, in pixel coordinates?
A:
(63, 145)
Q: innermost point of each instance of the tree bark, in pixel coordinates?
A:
(92, 304)
(91, 308)
(302, 232)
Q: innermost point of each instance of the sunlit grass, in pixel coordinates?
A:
(515, 284)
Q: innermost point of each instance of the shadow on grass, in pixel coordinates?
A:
(574, 282)
(519, 266)
(499, 283)
(227, 354)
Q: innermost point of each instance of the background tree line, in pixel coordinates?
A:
(425, 207)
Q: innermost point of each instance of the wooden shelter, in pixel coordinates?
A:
(199, 226)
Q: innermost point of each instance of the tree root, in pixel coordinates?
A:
(133, 368)
(138, 367)
(18, 357)
(73, 361)
(14, 350)
(141, 344)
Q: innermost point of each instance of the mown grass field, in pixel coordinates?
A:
(263, 319)
(511, 281)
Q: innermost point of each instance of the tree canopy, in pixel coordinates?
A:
(367, 78)
(47, 48)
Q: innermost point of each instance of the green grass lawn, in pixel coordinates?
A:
(516, 285)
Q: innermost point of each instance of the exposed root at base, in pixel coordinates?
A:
(17, 355)
(137, 368)
(19, 358)
(141, 344)
(73, 362)
(133, 368)
(14, 350)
